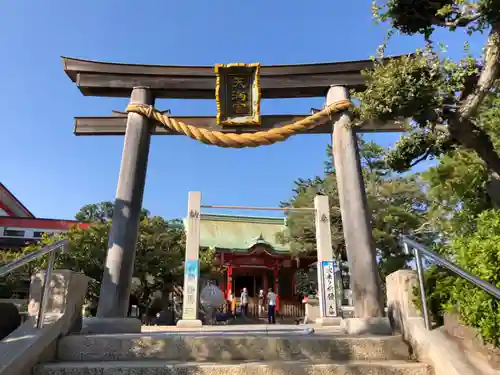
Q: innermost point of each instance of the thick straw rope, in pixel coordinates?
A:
(241, 140)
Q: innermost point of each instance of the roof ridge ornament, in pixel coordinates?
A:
(257, 240)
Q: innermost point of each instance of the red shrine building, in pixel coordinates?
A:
(250, 255)
(19, 227)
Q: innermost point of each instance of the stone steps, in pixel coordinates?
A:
(148, 367)
(219, 348)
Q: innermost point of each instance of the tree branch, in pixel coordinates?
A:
(461, 126)
(469, 87)
(477, 139)
(421, 159)
(487, 78)
(462, 21)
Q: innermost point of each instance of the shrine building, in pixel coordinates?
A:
(250, 255)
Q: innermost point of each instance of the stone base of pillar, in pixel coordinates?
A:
(370, 326)
(111, 325)
(189, 323)
(329, 321)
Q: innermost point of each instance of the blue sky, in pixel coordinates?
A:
(54, 173)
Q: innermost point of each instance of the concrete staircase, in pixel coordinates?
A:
(171, 353)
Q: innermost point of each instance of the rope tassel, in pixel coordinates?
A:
(241, 140)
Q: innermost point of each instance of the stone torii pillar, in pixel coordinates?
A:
(355, 216)
(117, 279)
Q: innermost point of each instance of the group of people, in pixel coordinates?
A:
(271, 299)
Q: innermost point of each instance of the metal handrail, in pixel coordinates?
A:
(49, 249)
(418, 250)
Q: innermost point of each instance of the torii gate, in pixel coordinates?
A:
(238, 124)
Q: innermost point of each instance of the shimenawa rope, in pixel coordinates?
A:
(241, 140)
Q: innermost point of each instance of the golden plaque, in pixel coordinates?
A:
(237, 93)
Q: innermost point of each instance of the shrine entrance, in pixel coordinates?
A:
(256, 270)
(246, 269)
(248, 253)
(237, 90)
(252, 279)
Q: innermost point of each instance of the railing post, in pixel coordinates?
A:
(494, 303)
(421, 283)
(45, 290)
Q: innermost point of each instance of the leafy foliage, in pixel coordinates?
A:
(479, 254)
(301, 234)
(17, 281)
(456, 190)
(420, 87)
(489, 115)
(452, 112)
(306, 282)
(414, 86)
(422, 17)
(438, 284)
(102, 211)
(461, 210)
(417, 146)
(397, 205)
(439, 97)
(457, 187)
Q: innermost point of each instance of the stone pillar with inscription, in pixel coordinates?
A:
(329, 310)
(191, 294)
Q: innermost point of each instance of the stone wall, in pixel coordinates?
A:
(468, 339)
(432, 346)
(28, 345)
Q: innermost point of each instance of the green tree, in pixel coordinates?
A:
(459, 188)
(441, 98)
(478, 253)
(300, 234)
(461, 210)
(397, 205)
(102, 211)
(17, 281)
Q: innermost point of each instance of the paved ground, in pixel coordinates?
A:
(252, 329)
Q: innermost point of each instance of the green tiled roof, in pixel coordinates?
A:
(239, 233)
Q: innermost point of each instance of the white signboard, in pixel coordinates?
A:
(328, 292)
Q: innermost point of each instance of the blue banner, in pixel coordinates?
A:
(192, 268)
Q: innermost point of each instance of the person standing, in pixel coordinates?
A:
(232, 304)
(244, 302)
(271, 307)
(261, 302)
